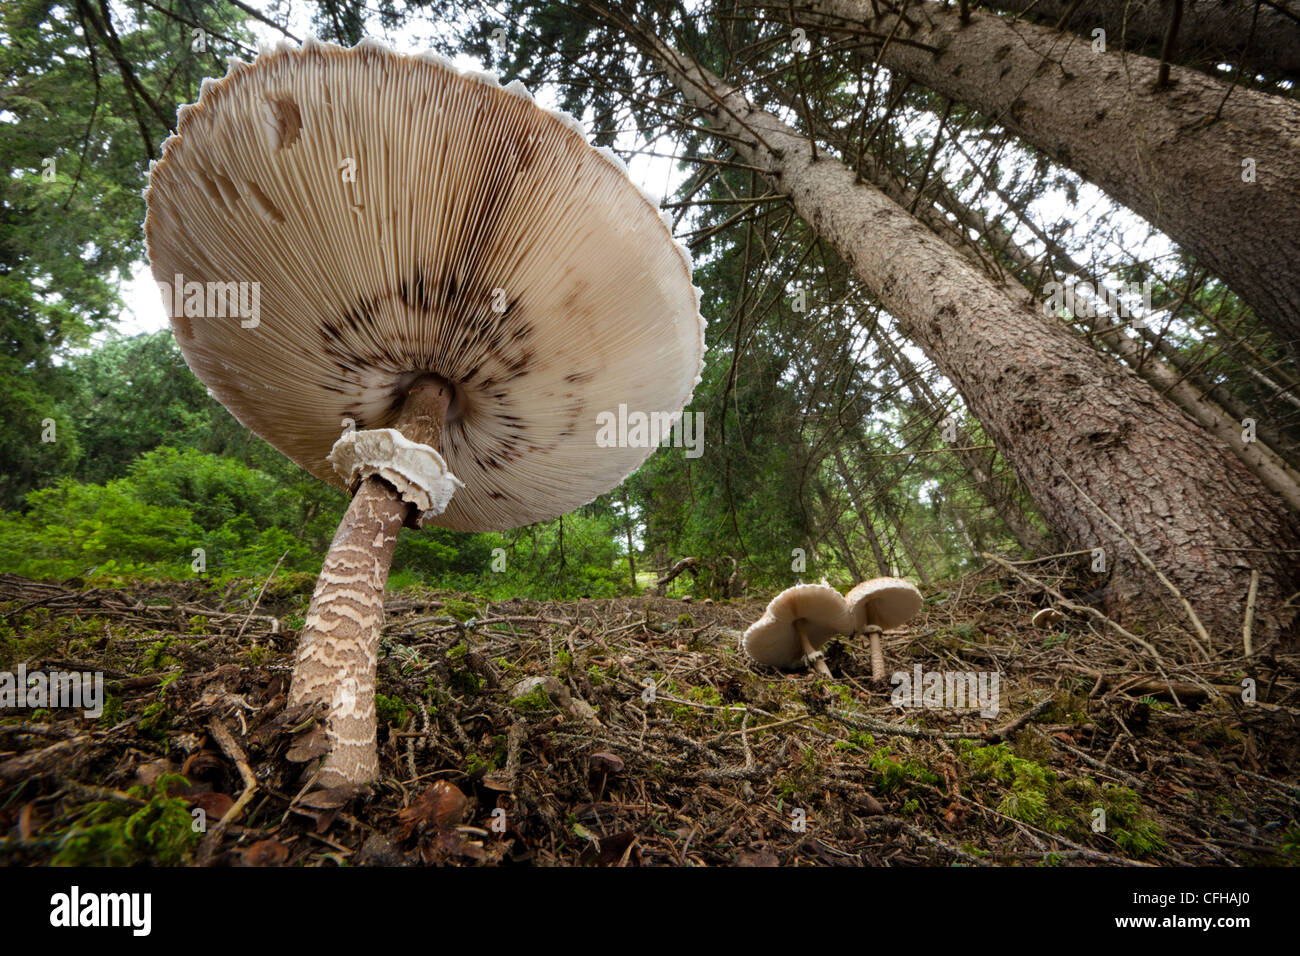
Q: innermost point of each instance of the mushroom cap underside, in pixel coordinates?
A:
(773, 639)
(893, 602)
(367, 217)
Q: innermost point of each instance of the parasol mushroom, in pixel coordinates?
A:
(879, 605)
(797, 622)
(452, 286)
(1047, 617)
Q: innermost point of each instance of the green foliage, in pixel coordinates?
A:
(115, 833)
(75, 529)
(75, 141)
(536, 701)
(390, 710)
(150, 523)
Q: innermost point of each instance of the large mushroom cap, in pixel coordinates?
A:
(892, 601)
(773, 639)
(401, 218)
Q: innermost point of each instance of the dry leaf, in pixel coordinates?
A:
(266, 853)
(311, 744)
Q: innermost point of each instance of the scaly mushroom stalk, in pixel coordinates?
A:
(877, 652)
(813, 656)
(338, 652)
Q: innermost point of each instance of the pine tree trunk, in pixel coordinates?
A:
(864, 518)
(833, 520)
(1189, 392)
(1070, 420)
(1176, 156)
(989, 488)
(1210, 32)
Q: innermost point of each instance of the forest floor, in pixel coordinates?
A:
(634, 731)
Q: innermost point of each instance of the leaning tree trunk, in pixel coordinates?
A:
(1206, 403)
(1092, 443)
(833, 515)
(1175, 155)
(864, 517)
(980, 470)
(1209, 31)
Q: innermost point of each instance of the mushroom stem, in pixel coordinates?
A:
(814, 658)
(338, 651)
(877, 653)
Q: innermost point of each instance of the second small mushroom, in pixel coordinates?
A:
(878, 605)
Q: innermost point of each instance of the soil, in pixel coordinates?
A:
(635, 732)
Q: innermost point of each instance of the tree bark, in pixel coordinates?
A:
(1175, 156)
(833, 514)
(338, 651)
(1211, 32)
(631, 561)
(1030, 541)
(685, 564)
(864, 518)
(1063, 415)
(1206, 403)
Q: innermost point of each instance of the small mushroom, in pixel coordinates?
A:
(798, 621)
(1048, 617)
(424, 289)
(601, 766)
(879, 605)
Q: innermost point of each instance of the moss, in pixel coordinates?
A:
(475, 763)
(1290, 845)
(257, 655)
(115, 833)
(1036, 796)
(290, 584)
(535, 701)
(156, 657)
(458, 651)
(1067, 708)
(893, 774)
(858, 740)
(390, 710)
(685, 620)
(706, 694)
(1127, 821)
(844, 694)
(155, 720)
(563, 663)
(964, 632)
(1032, 790)
(198, 624)
(507, 667)
(460, 610)
(465, 682)
(113, 712)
